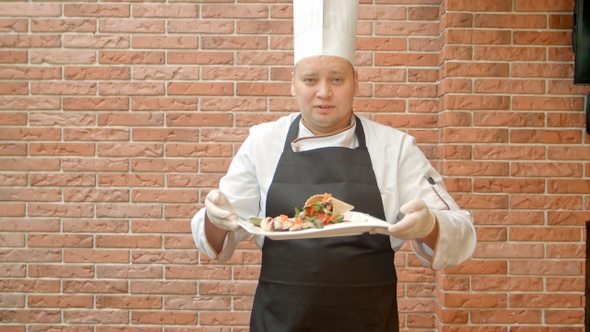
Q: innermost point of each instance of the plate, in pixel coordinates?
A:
(355, 223)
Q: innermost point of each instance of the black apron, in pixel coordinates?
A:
(345, 283)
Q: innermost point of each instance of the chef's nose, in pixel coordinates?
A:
(324, 90)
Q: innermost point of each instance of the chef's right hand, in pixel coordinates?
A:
(220, 211)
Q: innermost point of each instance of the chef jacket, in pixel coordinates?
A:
(402, 171)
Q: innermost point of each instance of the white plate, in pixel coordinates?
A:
(356, 223)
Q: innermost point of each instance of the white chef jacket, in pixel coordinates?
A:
(400, 169)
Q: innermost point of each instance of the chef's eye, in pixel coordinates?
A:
(337, 80)
(308, 80)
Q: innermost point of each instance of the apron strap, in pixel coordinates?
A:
(294, 130)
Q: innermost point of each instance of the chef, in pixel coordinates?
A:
(341, 283)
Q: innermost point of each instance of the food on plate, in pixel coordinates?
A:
(284, 223)
(318, 211)
(325, 208)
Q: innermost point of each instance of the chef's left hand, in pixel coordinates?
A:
(418, 221)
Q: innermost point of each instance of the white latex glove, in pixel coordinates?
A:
(220, 211)
(418, 222)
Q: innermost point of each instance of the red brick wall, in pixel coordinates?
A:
(117, 117)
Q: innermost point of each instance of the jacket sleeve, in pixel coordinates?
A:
(404, 173)
(229, 246)
(245, 184)
(240, 185)
(457, 239)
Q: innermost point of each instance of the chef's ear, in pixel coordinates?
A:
(356, 82)
(293, 83)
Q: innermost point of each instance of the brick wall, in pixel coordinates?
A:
(117, 117)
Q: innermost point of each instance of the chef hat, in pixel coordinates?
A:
(325, 27)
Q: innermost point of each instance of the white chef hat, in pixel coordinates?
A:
(325, 27)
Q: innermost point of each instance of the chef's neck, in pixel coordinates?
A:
(351, 124)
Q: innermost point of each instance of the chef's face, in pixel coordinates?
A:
(324, 87)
